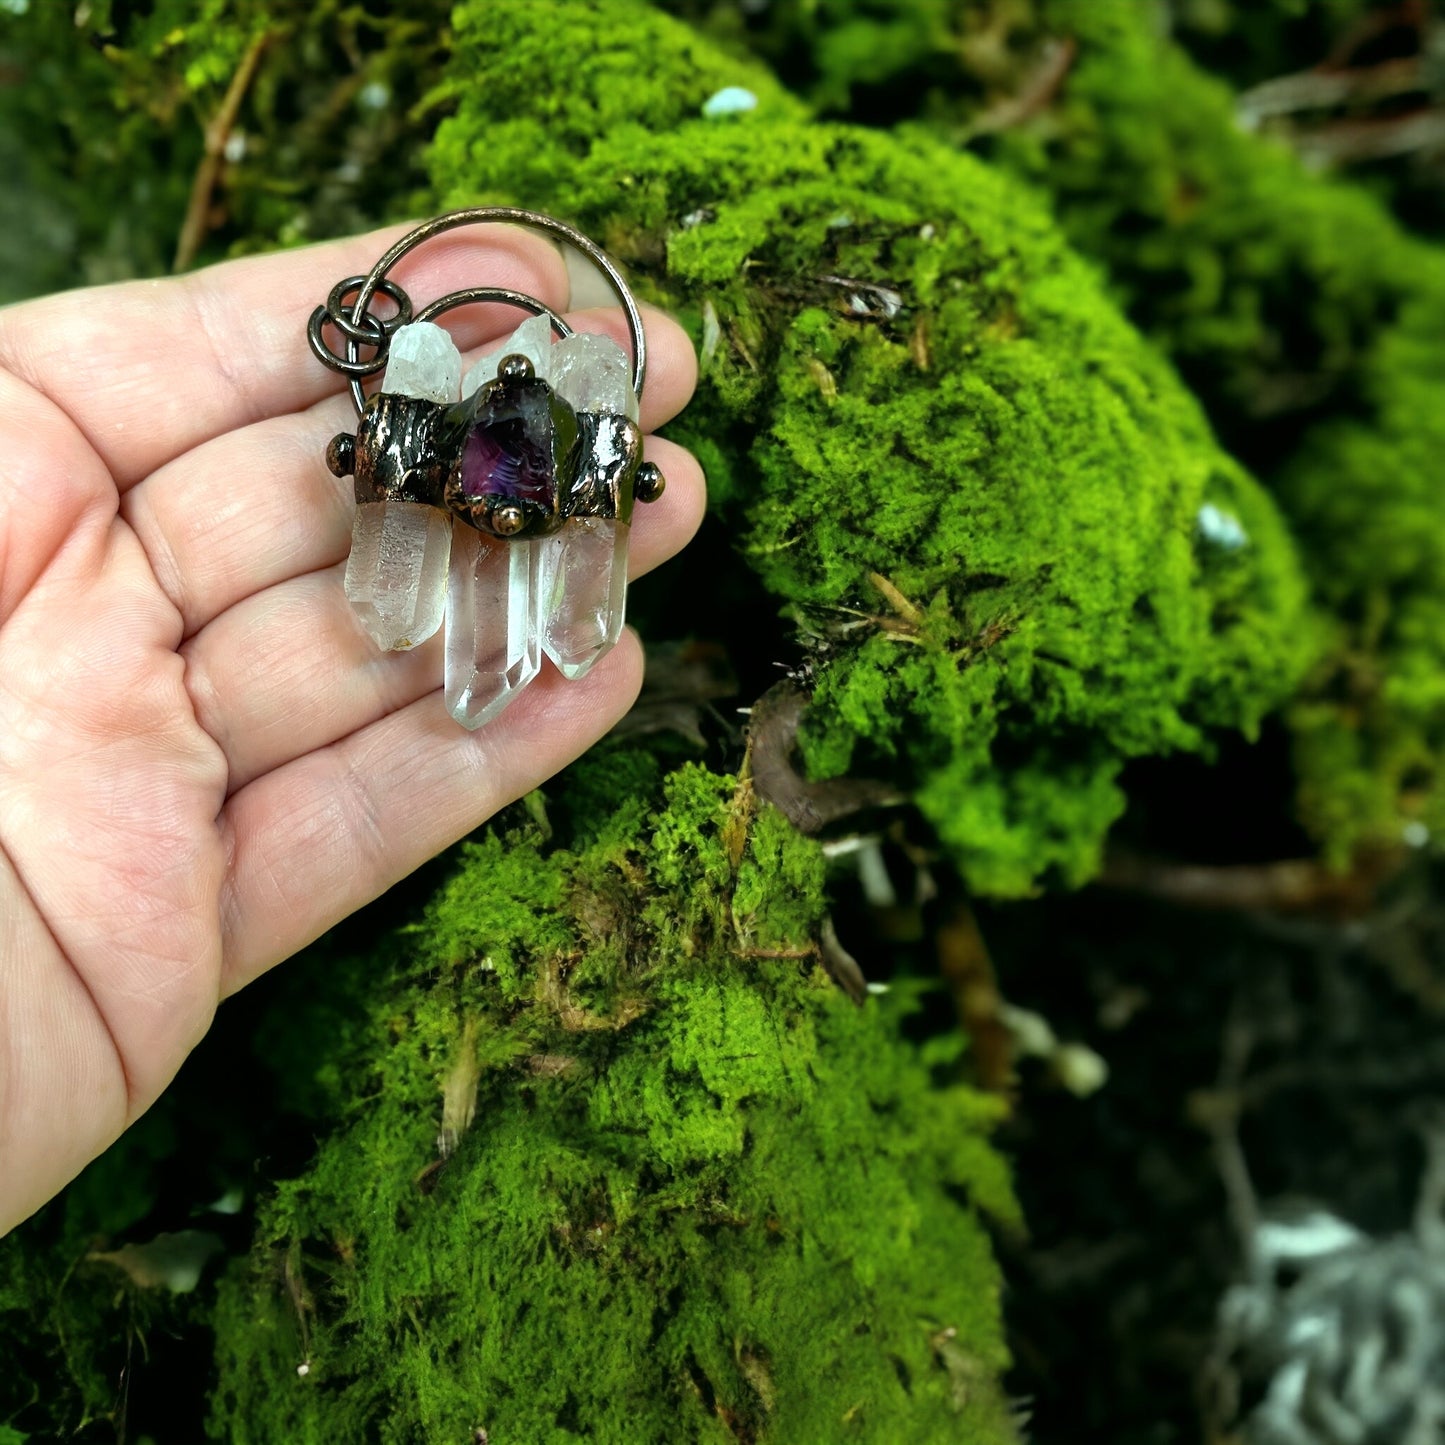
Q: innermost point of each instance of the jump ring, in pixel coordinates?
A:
(370, 328)
(347, 366)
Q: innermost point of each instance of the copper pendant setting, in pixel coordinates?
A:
(500, 502)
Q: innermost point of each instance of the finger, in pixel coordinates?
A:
(313, 841)
(671, 360)
(50, 478)
(249, 510)
(150, 369)
(291, 670)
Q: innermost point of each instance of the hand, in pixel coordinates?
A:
(204, 760)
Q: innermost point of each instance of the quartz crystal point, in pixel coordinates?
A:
(532, 339)
(593, 373)
(493, 642)
(423, 361)
(584, 566)
(396, 576)
(565, 592)
(583, 591)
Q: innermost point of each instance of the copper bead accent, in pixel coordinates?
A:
(649, 483)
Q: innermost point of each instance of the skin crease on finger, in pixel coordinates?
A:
(149, 864)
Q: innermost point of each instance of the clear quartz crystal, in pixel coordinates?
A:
(396, 576)
(423, 361)
(593, 373)
(493, 642)
(583, 591)
(532, 339)
(584, 566)
(567, 593)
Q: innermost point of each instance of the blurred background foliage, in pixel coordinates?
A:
(1155, 605)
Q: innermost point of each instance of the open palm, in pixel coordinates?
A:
(204, 760)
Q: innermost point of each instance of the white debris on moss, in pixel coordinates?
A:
(1221, 527)
(730, 100)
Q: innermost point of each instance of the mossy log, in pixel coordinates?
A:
(935, 439)
(1308, 321)
(612, 1159)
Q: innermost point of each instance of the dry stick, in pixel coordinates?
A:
(1408, 15)
(1288, 885)
(1220, 1117)
(1037, 94)
(1306, 90)
(218, 132)
(967, 968)
(809, 806)
(1380, 138)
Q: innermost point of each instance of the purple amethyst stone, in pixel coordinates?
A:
(520, 451)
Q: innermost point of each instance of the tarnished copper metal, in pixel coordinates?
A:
(650, 482)
(376, 280)
(405, 450)
(515, 368)
(341, 454)
(611, 455)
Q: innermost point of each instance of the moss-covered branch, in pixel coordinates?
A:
(659, 1224)
(1310, 324)
(907, 375)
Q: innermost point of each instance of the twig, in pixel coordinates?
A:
(1349, 141)
(1408, 15)
(842, 967)
(809, 806)
(967, 968)
(1291, 885)
(1222, 1124)
(907, 610)
(218, 132)
(1038, 92)
(1324, 89)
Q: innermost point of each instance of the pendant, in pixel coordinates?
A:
(500, 502)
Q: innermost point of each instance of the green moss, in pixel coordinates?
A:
(1250, 41)
(104, 113)
(703, 1198)
(1314, 329)
(882, 60)
(1001, 449)
(69, 1322)
(987, 436)
(1268, 285)
(1307, 321)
